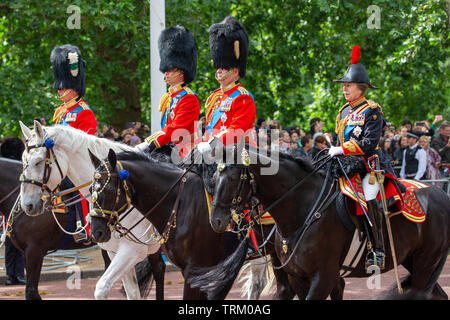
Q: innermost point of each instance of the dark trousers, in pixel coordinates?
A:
(13, 260)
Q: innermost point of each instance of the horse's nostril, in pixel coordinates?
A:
(30, 207)
(218, 223)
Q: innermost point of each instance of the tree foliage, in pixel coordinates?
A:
(296, 49)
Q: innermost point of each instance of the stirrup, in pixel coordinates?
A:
(375, 258)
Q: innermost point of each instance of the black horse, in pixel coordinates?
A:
(181, 214)
(313, 253)
(36, 236)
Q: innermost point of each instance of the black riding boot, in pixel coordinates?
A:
(376, 254)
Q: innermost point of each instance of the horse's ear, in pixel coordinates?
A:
(95, 161)
(112, 158)
(38, 129)
(25, 131)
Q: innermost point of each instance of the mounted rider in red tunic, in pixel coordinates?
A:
(69, 73)
(359, 126)
(230, 110)
(68, 70)
(179, 107)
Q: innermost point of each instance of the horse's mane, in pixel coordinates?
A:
(288, 155)
(156, 157)
(82, 140)
(304, 162)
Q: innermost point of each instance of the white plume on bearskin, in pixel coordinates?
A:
(68, 68)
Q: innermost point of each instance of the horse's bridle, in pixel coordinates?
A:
(237, 208)
(47, 168)
(52, 195)
(114, 216)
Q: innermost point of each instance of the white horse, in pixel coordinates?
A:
(71, 153)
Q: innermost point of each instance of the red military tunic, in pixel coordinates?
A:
(230, 114)
(179, 109)
(77, 114)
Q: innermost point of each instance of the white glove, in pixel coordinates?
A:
(204, 147)
(142, 146)
(335, 151)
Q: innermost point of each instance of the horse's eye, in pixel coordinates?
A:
(39, 162)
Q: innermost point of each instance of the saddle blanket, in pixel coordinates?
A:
(405, 203)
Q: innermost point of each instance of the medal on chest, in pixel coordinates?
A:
(355, 119)
(173, 106)
(70, 117)
(226, 104)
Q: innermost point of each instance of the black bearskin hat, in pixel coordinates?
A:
(228, 42)
(178, 49)
(12, 148)
(68, 68)
(356, 72)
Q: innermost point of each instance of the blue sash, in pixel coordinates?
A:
(173, 104)
(224, 106)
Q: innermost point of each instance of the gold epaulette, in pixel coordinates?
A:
(188, 90)
(83, 105)
(243, 90)
(373, 104)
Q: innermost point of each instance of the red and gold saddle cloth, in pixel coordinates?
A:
(405, 203)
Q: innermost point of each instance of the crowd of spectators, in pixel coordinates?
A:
(133, 134)
(434, 138)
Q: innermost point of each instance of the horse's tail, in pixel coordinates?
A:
(144, 275)
(256, 280)
(217, 281)
(270, 276)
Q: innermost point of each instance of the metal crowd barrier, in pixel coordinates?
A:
(60, 259)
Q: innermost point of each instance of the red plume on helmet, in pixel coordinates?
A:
(356, 53)
(356, 72)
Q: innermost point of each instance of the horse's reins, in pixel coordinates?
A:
(102, 213)
(245, 172)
